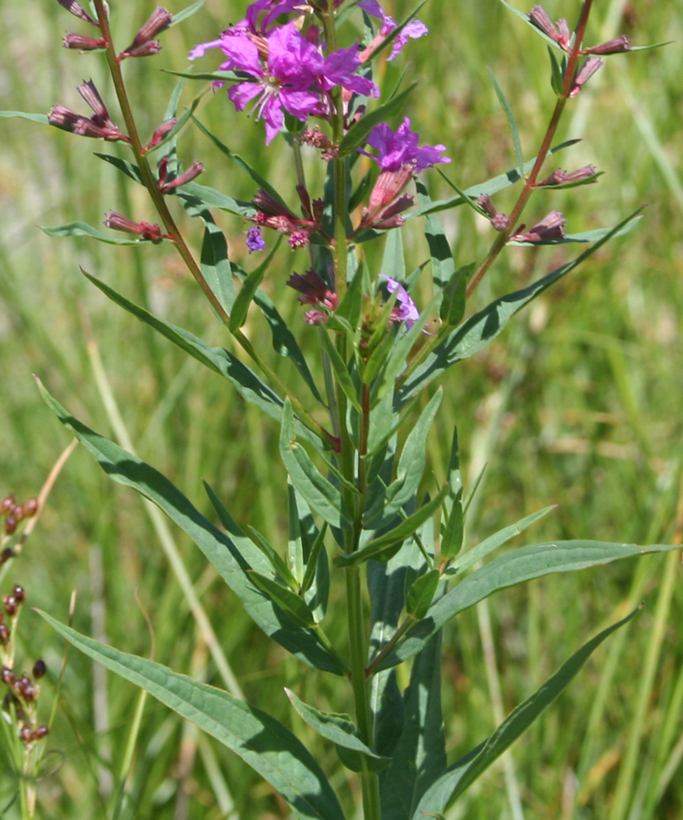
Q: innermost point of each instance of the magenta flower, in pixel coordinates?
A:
(406, 310)
(339, 68)
(400, 147)
(413, 30)
(292, 67)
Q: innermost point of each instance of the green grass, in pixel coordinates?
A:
(578, 404)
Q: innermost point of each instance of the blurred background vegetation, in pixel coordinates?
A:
(578, 404)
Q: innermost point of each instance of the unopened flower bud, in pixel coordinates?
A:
(500, 221)
(80, 42)
(560, 177)
(6, 554)
(26, 734)
(11, 605)
(18, 512)
(19, 593)
(8, 676)
(548, 229)
(315, 317)
(10, 526)
(39, 669)
(389, 186)
(589, 68)
(616, 46)
(7, 505)
(560, 34)
(298, 239)
(5, 634)
(148, 49)
(157, 137)
(269, 205)
(41, 732)
(91, 95)
(30, 507)
(161, 19)
(187, 176)
(145, 230)
(68, 120)
(73, 8)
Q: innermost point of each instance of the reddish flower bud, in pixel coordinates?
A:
(7, 505)
(500, 221)
(11, 605)
(41, 732)
(165, 128)
(10, 526)
(561, 35)
(560, 177)
(80, 42)
(73, 8)
(315, 317)
(5, 634)
(148, 49)
(39, 668)
(313, 289)
(26, 734)
(68, 120)
(298, 239)
(6, 554)
(8, 676)
(18, 512)
(548, 229)
(92, 96)
(589, 68)
(19, 593)
(30, 507)
(161, 19)
(187, 176)
(617, 46)
(117, 222)
(389, 186)
(269, 205)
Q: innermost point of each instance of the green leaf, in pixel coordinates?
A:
(420, 754)
(82, 229)
(322, 496)
(215, 264)
(196, 197)
(186, 12)
(483, 327)
(452, 309)
(351, 305)
(556, 73)
(221, 361)
(284, 598)
(460, 776)
(284, 341)
(41, 118)
(488, 545)
(393, 261)
(247, 292)
(527, 20)
(443, 266)
(341, 371)
(533, 561)
(358, 133)
(128, 168)
(502, 99)
(313, 558)
(215, 76)
(383, 547)
(242, 164)
(127, 469)
(340, 730)
(421, 594)
(277, 563)
(490, 187)
(260, 740)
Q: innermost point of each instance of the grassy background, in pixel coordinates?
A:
(578, 404)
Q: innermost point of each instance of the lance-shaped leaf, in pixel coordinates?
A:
(186, 12)
(23, 115)
(215, 264)
(584, 236)
(533, 561)
(358, 133)
(341, 371)
(443, 266)
(482, 328)
(321, 495)
(488, 545)
(409, 472)
(420, 755)
(421, 594)
(217, 359)
(128, 168)
(393, 261)
(341, 731)
(452, 310)
(502, 99)
(465, 771)
(260, 740)
(491, 186)
(196, 197)
(83, 229)
(284, 598)
(127, 469)
(383, 547)
(245, 297)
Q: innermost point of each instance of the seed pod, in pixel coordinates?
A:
(39, 668)
(26, 734)
(22, 683)
(5, 634)
(8, 676)
(41, 731)
(10, 526)
(7, 505)
(18, 512)
(19, 593)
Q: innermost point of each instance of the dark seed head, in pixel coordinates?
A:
(7, 505)
(11, 604)
(5, 634)
(6, 554)
(26, 734)
(30, 507)
(8, 676)
(18, 512)
(10, 526)
(41, 731)
(19, 593)
(39, 668)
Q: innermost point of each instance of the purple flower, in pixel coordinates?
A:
(255, 241)
(339, 68)
(414, 29)
(405, 311)
(400, 147)
(293, 64)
